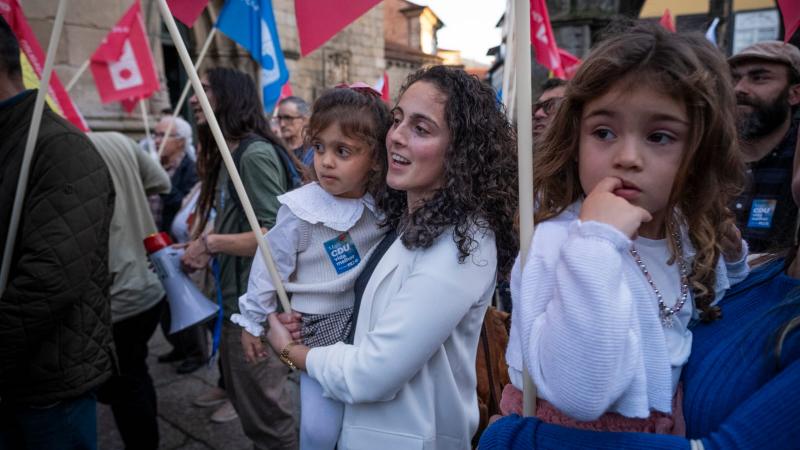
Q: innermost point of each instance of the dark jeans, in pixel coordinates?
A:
(66, 425)
(131, 393)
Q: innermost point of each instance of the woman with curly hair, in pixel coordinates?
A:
(408, 380)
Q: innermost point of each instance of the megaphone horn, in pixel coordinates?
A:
(187, 305)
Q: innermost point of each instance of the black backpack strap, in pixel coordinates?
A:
(363, 278)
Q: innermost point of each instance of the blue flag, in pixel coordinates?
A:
(251, 24)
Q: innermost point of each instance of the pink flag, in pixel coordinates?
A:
(666, 21)
(319, 20)
(122, 65)
(542, 38)
(187, 11)
(790, 9)
(569, 63)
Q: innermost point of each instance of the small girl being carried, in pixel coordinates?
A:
(634, 238)
(324, 234)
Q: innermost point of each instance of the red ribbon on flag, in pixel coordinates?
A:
(122, 65)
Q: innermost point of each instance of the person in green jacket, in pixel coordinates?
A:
(259, 392)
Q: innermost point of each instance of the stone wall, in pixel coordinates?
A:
(354, 54)
(85, 25)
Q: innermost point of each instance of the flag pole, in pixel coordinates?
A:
(509, 63)
(185, 93)
(78, 74)
(33, 134)
(225, 152)
(522, 87)
(146, 122)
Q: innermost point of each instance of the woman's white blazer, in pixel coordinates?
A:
(408, 381)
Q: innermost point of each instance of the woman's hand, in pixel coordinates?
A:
(195, 257)
(278, 335)
(293, 322)
(602, 205)
(253, 347)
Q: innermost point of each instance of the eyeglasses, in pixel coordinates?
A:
(549, 106)
(288, 118)
(160, 135)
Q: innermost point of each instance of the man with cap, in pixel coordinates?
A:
(767, 85)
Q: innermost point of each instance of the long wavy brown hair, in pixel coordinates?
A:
(480, 172)
(239, 114)
(689, 69)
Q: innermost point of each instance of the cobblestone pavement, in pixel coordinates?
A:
(182, 425)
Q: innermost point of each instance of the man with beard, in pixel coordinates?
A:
(545, 107)
(767, 85)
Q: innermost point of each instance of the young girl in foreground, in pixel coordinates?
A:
(324, 233)
(632, 182)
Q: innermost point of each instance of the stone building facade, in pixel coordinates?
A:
(355, 53)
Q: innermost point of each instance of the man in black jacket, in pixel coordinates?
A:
(55, 325)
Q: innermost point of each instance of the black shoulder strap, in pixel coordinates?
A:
(363, 278)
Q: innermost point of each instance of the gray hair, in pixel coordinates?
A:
(302, 106)
(184, 131)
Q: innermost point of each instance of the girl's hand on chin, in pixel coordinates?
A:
(601, 205)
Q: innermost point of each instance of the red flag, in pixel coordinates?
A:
(542, 38)
(187, 11)
(790, 9)
(122, 65)
(385, 88)
(32, 61)
(382, 86)
(666, 21)
(319, 20)
(286, 91)
(569, 63)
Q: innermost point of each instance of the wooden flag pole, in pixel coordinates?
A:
(148, 137)
(78, 74)
(169, 21)
(33, 134)
(522, 87)
(176, 112)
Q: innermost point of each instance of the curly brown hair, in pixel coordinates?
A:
(361, 115)
(480, 172)
(689, 69)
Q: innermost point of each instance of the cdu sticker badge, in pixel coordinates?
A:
(342, 252)
(761, 212)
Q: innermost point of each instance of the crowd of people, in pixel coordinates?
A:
(657, 306)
